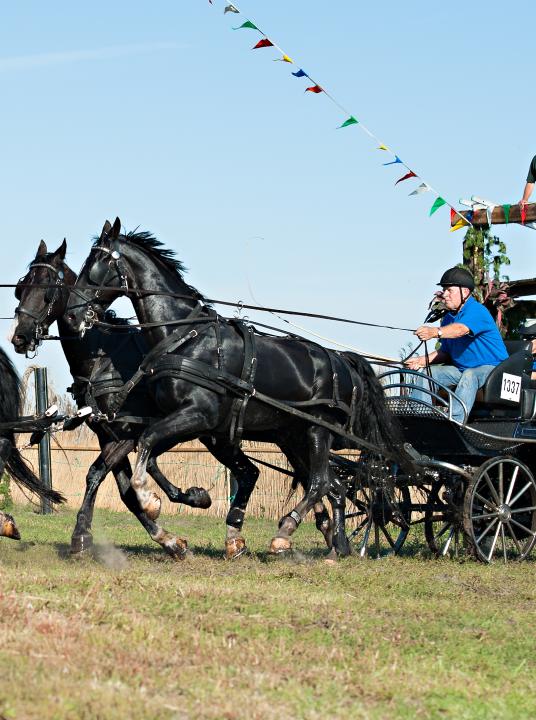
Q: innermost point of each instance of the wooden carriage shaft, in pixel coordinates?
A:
(480, 218)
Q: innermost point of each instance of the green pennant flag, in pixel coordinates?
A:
(351, 121)
(438, 203)
(506, 209)
(247, 24)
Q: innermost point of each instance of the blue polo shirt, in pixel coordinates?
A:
(482, 346)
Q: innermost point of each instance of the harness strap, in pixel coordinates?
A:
(219, 344)
(167, 345)
(134, 419)
(192, 371)
(238, 408)
(329, 403)
(220, 380)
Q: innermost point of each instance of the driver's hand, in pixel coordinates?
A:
(416, 363)
(426, 332)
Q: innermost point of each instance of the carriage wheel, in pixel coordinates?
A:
(443, 518)
(500, 510)
(379, 523)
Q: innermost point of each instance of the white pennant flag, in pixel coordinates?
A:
(423, 187)
(230, 8)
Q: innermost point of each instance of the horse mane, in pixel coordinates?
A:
(147, 242)
(112, 319)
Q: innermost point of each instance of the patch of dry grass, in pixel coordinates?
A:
(129, 633)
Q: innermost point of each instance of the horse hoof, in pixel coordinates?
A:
(177, 548)
(7, 527)
(198, 498)
(280, 545)
(81, 543)
(331, 558)
(234, 548)
(153, 506)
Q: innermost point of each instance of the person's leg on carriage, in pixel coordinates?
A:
(466, 385)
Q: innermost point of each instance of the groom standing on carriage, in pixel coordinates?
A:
(470, 343)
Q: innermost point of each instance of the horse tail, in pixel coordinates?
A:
(373, 421)
(10, 410)
(24, 476)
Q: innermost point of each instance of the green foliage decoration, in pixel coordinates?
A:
(485, 255)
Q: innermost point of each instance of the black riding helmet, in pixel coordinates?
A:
(457, 276)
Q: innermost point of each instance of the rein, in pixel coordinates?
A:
(209, 301)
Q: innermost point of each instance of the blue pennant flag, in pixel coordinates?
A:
(394, 162)
(300, 73)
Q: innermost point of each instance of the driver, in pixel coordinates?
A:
(470, 343)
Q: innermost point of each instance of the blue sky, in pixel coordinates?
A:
(161, 114)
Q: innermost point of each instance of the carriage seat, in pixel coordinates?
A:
(491, 396)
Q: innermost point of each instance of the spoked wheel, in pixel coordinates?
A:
(379, 523)
(500, 510)
(443, 518)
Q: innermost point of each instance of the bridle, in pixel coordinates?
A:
(41, 326)
(116, 270)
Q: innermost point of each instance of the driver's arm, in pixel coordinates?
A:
(436, 357)
(449, 332)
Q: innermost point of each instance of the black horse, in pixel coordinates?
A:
(226, 379)
(100, 363)
(10, 457)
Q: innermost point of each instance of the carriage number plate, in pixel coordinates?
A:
(511, 387)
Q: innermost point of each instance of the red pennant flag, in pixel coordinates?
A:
(314, 89)
(406, 177)
(523, 214)
(263, 43)
(453, 214)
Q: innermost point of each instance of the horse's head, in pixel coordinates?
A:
(42, 294)
(103, 278)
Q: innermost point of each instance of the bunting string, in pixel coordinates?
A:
(316, 88)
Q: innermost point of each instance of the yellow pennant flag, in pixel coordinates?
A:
(459, 225)
(383, 147)
(285, 58)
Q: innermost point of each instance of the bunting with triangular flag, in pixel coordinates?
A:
(506, 209)
(247, 24)
(406, 177)
(423, 187)
(393, 162)
(351, 121)
(437, 204)
(263, 43)
(458, 225)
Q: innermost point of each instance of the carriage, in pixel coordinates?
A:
(475, 490)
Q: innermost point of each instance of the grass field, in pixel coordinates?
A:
(128, 633)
